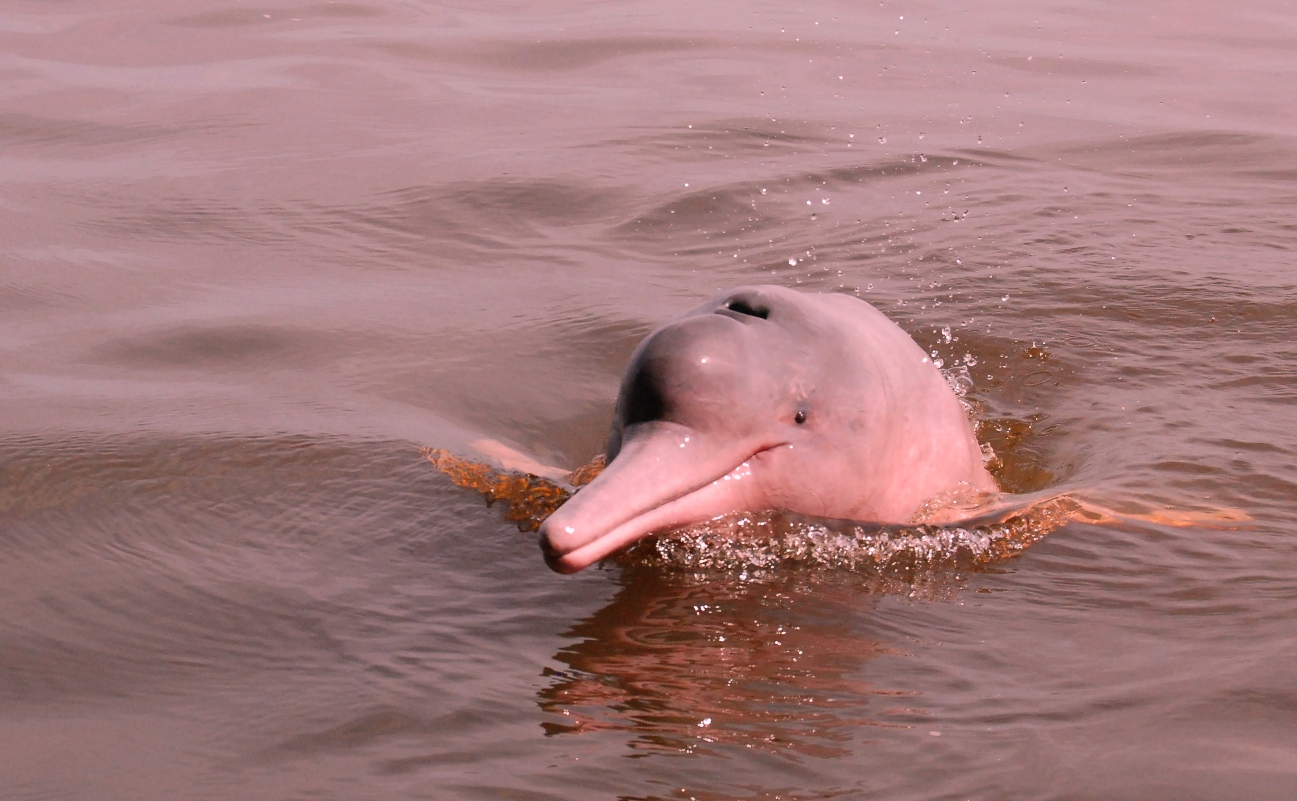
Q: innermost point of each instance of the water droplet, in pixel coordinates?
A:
(945, 333)
(882, 140)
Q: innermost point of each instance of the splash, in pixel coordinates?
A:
(751, 543)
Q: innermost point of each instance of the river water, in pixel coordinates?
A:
(254, 257)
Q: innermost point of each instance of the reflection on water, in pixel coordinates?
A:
(686, 663)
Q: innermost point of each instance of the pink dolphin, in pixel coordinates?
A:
(769, 398)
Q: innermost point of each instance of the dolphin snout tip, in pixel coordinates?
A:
(555, 558)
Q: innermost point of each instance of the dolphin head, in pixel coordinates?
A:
(762, 398)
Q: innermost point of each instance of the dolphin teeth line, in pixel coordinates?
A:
(672, 499)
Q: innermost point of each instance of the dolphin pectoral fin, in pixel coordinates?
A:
(510, 459)
(1073, 508)
(1225, 517)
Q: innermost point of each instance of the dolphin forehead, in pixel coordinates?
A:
(695, 368)
(794, 331)
(758, 344)
(819, 330)
(808, 340)
(741, 360)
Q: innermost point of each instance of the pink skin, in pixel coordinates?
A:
(767, 398)
(690, 481)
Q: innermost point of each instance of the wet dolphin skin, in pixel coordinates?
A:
(769, 398)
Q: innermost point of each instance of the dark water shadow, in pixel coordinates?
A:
(541, 56)
(243, 17)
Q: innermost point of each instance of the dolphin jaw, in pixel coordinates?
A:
(672, 510)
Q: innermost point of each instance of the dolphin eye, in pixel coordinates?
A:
(800, 417)
(743, 307)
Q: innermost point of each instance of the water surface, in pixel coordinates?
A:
(253, 257)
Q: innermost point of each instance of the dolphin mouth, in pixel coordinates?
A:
(585, 530)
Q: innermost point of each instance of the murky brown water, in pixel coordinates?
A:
(252, 258)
